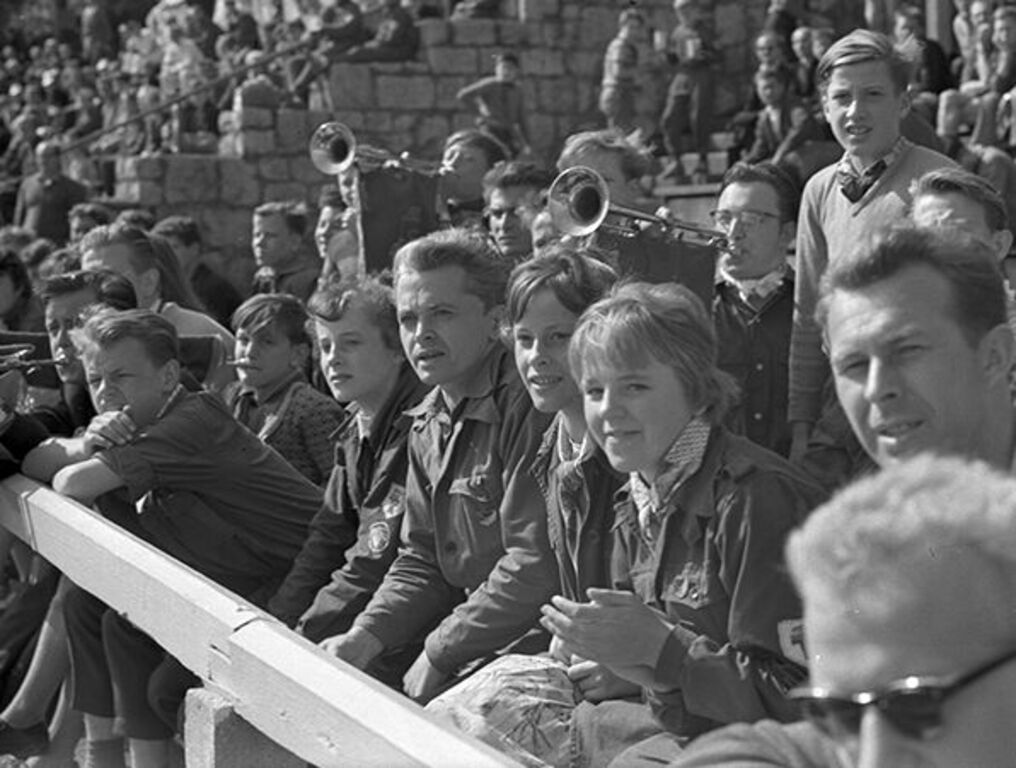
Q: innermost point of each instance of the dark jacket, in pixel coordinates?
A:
(475, 531)
(580, 512)
(354, 536)
(754, 348)
(716, 571)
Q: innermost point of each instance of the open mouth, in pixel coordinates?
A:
(544, 382)
(427, 355)
(895, 435)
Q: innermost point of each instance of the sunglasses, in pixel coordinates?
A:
(912, 705)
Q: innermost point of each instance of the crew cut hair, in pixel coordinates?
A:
(486, 276)
(968, 266)
(157, 336)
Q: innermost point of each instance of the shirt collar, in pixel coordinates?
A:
(889, 158)
(476, 400)
(174, 396)
(278, 390)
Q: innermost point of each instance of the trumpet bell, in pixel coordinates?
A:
(332, 148)
(578, 201)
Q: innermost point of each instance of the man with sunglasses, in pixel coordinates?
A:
(915, 327)
(911, 663)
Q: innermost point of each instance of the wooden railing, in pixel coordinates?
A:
(314, 706)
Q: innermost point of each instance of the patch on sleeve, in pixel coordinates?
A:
(394, 504)
(791, 632)
(379, 536)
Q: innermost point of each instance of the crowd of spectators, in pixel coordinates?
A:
(460, 441)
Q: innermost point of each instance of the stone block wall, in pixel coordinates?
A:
(411, 106)
(262, 156)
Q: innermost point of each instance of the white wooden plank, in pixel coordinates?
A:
(347, 718)
(316, 706)
(186, 612)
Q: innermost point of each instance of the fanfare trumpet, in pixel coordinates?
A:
(14, 357)
(579, 204)
(393, 197)
(334, 149)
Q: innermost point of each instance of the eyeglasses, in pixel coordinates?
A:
(724, 218)
(912, 705)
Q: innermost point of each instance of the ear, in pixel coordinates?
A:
(905, 102)
(996, 354)
(298, 354)
(788, 231)
(170, 376)
(1001, 240)
(496, 317)
(148, 282)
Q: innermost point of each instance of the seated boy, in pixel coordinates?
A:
(176, 469)
(274, 399)
(473, 567)
(355, 536)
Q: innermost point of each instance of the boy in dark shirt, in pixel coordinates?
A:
(176, 469)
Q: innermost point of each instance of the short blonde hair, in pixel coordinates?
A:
(640, 322)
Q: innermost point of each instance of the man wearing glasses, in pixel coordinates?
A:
(754, 302)
(915, 326)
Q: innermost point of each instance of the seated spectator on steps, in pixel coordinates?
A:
(472, 568)
(273, 398)
(514, 193)
(84, 217)
(46, 197)
(140, 218)
(207, 491)
(500, 104)
(468, 155)
(20, 308)
(396, 38)
(354, 538)
(38, 612)
(286, 263)
(784, 125)
(899, 548)
(215, 292)
(713, 612)
(149, 263)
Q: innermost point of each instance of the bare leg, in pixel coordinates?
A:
(47, 671)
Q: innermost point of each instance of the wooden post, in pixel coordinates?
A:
(216, 737)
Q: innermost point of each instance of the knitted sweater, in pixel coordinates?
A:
(830, 227)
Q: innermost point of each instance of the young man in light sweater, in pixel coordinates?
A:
(862, 80)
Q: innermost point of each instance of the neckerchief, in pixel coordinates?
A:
(855, 185)
(568, 449)
(760, 288)
(681, 461)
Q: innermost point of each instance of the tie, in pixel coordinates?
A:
(853, 185)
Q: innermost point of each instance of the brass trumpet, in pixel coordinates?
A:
(334, 149)
(579, 204)
(14, 357)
